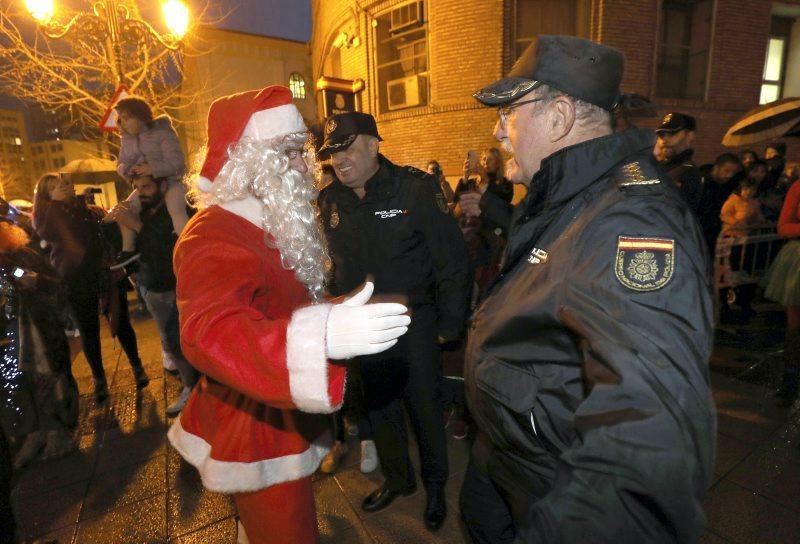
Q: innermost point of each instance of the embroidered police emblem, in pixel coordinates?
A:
(644, 264)
(441, 201)
(331, 126)
(334, 220)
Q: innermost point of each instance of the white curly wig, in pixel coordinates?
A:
(260, 168)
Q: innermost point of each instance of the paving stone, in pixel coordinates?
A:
(190, 506)
(743, 516)
(124, 485)
(135, 523)
(48, 512)
(402, 522)
(44, 476)
(774, 469)
(221, 532)
(335, 514)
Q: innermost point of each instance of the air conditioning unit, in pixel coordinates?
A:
(403, 93)
(405, 16)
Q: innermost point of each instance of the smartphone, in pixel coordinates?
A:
(93, 190)
(18, 272)
(472, 157)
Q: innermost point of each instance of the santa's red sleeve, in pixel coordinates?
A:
(227, 333)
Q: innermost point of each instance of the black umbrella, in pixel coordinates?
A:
(774, 120)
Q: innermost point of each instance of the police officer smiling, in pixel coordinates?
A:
(393, 223)
(587, 363)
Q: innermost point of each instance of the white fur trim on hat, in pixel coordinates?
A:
(307, 359)
(274, 122)
(243, 477)
(205, 184)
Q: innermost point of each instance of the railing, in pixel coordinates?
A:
(743, 259)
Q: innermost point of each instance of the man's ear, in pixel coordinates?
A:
(374, 146)
(689, 137)
(562, 118)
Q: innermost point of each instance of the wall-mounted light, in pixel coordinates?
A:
(346, 41)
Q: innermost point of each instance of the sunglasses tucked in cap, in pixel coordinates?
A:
(342, 129)
(580, 68)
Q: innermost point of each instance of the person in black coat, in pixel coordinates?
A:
(393, 223)
(587, 361)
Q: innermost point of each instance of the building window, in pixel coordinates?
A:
(298, 86)
(534, 17)
(402, 57)
(773, 77)
(684, 40)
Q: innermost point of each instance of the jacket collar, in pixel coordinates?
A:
(249, 208)
(383, 180)
(569, 171)
(681, 158)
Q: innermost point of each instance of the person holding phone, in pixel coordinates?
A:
(78, 252)
(483, 181)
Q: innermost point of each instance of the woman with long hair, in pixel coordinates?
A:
(78, 253)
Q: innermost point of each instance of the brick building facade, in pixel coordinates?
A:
(434, 54)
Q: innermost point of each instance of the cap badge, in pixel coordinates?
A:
(330, 127)
(334, 221)
(667, 119)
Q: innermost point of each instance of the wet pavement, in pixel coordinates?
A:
(125, 484)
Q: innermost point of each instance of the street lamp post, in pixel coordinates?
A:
(110, 19)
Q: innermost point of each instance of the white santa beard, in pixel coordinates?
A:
(257, 184)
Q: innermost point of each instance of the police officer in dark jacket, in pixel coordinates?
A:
(393, 223)
(587, 362)
(675, 136)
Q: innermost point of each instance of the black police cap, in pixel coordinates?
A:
(675, 122)
(342, 129)
(581, 68)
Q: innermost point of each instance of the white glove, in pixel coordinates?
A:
(357, 328)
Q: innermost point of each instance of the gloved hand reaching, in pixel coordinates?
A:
(357, 328)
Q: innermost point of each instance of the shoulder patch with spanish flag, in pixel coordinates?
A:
(644, 264)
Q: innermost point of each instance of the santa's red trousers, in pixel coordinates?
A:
(280, 514)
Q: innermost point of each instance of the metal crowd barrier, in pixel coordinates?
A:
(743, 259)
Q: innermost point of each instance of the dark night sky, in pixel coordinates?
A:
(290, 19)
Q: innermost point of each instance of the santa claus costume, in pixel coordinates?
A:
(249, 267)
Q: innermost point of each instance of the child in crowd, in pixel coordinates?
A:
(742, 210)
(149, 147)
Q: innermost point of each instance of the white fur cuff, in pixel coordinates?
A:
(307, 360)
(233, 477)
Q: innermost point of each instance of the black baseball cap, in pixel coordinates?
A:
(581, 68)
(675, 122)
(342, 129)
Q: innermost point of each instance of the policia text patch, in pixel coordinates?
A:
(644, 264)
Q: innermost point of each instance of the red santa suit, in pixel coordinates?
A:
(253, 426)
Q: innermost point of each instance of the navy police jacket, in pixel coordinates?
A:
(587, 363)
(402, 234)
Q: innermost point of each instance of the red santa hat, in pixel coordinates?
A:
(259, 114)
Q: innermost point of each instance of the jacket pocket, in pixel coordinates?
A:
(511, 392)
(512, 386)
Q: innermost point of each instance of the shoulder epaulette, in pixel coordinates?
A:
(632, 174)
